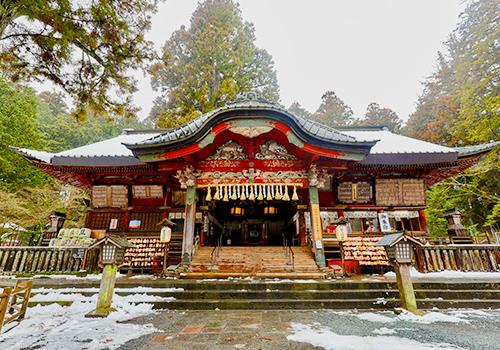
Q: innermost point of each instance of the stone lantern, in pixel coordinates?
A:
(456, 231)
(112, 251)
(399, 249)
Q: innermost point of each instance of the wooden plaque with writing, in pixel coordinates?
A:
(147, 191)
(400, 192)
(354, 192)
(109, 196)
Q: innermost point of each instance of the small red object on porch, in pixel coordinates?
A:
(351, 265)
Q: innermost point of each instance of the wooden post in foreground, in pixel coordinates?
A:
(106, 291)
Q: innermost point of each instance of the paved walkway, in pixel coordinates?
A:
(221, 329)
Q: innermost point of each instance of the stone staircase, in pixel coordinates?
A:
(247, 294)
(254, 261)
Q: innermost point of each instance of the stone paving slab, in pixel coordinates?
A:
(221, 329)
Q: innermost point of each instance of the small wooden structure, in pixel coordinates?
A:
(14, 301)
(112, 249)
(110, 258)
(456, 231)
(57, 220)
(400, 253)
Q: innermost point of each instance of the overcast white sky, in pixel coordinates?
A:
(364, 50)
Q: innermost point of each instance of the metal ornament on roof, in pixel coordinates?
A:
(248, 96)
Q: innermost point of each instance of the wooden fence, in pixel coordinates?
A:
(15, 260)
(466, 257)
(14, 301)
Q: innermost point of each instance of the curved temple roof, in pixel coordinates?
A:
(255, 108)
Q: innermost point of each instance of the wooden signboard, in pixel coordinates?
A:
(109, 196)
(400, 192)
(147, 191)
(354, 192)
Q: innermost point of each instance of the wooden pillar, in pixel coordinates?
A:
(302, 228)
(405, 286)
(188, 234)
(423, 222)
(106, 291)
(316, 230)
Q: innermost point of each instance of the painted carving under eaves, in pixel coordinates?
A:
(272, 149)
(317, 178)
(187, 177)
(251, 174)
(231, 150)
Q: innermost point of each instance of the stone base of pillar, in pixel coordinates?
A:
(320, 259)
(186, 259)
(100, 312)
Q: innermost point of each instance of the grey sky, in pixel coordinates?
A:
(364, 50)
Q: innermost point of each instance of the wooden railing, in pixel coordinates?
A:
(463, 257)
(15, 260)
(14, 301)
(215, 253)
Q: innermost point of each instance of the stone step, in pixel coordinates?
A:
(302, 294)
(252, 261)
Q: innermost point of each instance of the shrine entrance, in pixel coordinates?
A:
(247, 223)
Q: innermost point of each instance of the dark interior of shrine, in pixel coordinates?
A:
(251, 222)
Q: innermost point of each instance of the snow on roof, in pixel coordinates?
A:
(109, 148)
(38, 155)
(391, 143)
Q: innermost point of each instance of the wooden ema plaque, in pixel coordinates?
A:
(109, 196)
(354, 192)
(400, 192)
(147, 191)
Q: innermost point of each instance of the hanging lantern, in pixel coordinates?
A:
(286, 197)
(295, 197)
(237, 211)
(165, 234)
(270, 210)
(226, 197)
(209, 194)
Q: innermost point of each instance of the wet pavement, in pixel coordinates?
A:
(320, 329)
(222, 329)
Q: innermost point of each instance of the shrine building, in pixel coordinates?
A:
(253, 174)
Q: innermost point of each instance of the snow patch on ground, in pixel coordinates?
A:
(54, 327)
(384, 331)
(431, 317)
(372, 317)
(76, 297)
(323, 337)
